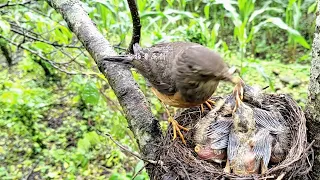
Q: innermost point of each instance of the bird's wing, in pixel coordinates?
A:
(221, 142)
(218, 133)
(155, 64)
(262, 145)
(220, 127)
(272, 121)
(233, 145)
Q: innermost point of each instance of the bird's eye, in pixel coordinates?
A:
(227, 115)
(193, 84)
(204, 75)
(190, 67)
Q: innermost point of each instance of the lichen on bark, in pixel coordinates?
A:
(313, 105)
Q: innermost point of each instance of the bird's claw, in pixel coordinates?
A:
(176, 128)
(208, 104)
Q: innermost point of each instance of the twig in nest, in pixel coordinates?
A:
(281, 176)
(310, 145)
(136, 32)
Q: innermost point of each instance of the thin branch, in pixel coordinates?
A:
(126, 149)
(112, 104)
(136, 30)
(44, 41)
(8, 4)
(15, 25)
(39, 55)
(31, 170)
(5, 52)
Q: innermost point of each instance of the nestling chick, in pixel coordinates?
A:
(249, 147)
(211, 137)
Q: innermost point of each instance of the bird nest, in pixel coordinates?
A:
(180, 161)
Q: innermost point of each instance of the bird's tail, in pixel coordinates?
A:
(125, 59)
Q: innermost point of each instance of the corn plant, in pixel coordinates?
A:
(204, 32)
(292, 19)
(245, 18)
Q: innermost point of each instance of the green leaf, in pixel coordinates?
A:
(259, 26)
(140, 177)
(296, 35)
(52, 174)
(4, 26)
(207, 10)
(90, 94)
(227, 4)
(93, 137)
(278, 22)
(116, 176)
(302, 41)
(83, 145)
(138, 167)
(312, 8)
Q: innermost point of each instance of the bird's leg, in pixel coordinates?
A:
(238, 101)
(207, 102)
(227, 169)
(176, 127)
(264, 168)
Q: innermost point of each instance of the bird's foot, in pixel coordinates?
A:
(176, 128)
(208, 104)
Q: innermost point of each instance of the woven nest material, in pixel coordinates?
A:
(180, 161)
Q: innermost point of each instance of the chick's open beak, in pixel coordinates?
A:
(197, 148)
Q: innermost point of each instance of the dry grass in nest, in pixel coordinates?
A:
(179, 161)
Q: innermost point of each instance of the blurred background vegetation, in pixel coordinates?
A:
(56, 107)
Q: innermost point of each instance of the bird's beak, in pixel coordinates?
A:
(233, 70)
(197, 148)
(237, 81)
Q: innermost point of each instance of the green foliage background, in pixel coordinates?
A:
(52, 123)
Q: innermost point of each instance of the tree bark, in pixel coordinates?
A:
(313, 105)
(137, 111)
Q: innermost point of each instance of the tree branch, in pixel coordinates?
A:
(140, 119)
(313, 105)
(55, 44)
(136, 30)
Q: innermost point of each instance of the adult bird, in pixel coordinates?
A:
(181, 74)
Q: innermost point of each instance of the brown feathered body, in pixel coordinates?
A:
(182, 74)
